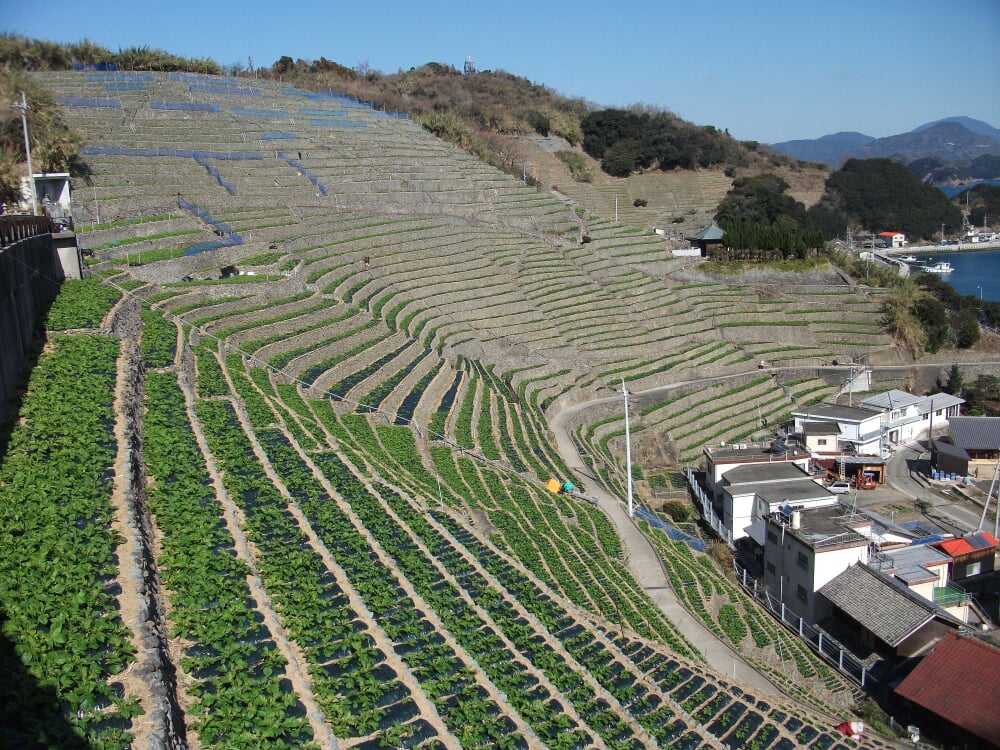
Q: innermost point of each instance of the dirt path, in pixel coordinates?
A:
(643, 562)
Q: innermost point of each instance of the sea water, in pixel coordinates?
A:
(976, 273)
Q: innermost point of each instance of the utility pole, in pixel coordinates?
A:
(628, 450)
(23, 106)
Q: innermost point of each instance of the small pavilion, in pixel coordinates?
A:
(710, 235)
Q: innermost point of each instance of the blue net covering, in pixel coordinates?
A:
(277, 136)
(94, 66)
(314, 112)
(214, 171)
(312, 178)
(222, 88)
(230, 237)
(186, 106)
(674, 534)
(107, 77)
(83, 101)
(124, 86)
(338, 123)
(244, 112)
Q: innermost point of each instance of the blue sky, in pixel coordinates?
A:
(766, 71)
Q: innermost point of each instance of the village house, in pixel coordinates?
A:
(892, 240)
(906, 417)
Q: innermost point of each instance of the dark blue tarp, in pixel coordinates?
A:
(338, 123)
(312, 178)
(118, 76)
(231, 238)
(82, 101)
(186, 106)
(245, 112)
(675, 534)
(277, 136)
(95, 66)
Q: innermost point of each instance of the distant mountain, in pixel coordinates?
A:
(828, 149)
(976, 126)
(952, 140)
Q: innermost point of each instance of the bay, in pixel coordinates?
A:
(976, 273)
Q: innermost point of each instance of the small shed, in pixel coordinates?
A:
(948, 458)
(713, 234)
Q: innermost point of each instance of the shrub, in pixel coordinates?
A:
(639, 202)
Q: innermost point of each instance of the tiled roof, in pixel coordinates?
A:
(977, 433)
(894, 399)
(958, 681)
(877, 604)
(977, 540)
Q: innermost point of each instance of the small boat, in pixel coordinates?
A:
(941, 266)
(909, 259)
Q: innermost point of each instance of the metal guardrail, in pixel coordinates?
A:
(820, 642)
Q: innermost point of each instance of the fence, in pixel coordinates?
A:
(708, 513)
(822, 643)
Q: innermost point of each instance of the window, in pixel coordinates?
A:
(973, 569)
(821, 441)
(770, 568)
(800, 592)
(803, 561)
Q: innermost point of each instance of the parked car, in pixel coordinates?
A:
(840, 487)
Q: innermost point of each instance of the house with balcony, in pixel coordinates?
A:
(923, 569)
(860, 430)
(906, 417)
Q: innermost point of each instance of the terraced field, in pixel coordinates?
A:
(317, 516)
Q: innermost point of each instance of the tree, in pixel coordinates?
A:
(954, 384)
(966, 329)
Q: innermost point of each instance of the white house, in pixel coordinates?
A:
(893, 239)
(906, 417)
(805, 549)
(860, 430)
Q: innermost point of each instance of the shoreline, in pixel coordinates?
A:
(966, 247)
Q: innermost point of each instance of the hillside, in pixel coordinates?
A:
(316, 412)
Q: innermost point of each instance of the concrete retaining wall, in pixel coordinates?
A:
(30, 276)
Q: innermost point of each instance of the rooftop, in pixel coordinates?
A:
(972, 542)
(978, 433)
(909, 564)
(835, 411)
(820, 428)
(722, 454)
(828, 526)
(894, 399)
(887, 610)
(958, 682)
(758, 473)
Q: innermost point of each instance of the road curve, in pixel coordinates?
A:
(645, 566)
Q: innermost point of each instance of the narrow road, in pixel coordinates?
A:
(645, 566)
(952, 514)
